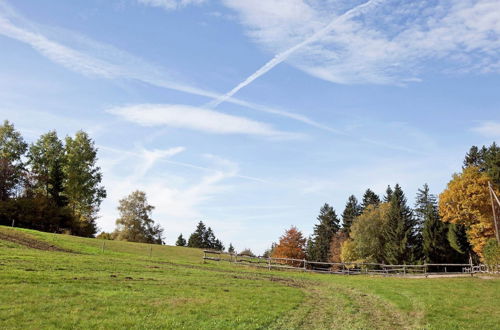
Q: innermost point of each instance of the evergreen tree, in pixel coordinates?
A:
(196, 238)
(369, 198)
(231, 248)
(388, 194)
(180, 241)
(46, 160)
(12, 149)
(487, 159)
(457, 238)
(435, 245)
(352, 211)
(135, 223)
(323, 233)
(82, 181)
(399, 233)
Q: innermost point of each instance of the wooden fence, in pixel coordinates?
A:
(346, 268)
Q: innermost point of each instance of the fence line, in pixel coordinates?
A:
(346, 268)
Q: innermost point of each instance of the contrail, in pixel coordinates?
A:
(285, 54)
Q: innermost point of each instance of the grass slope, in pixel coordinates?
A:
(59, 281)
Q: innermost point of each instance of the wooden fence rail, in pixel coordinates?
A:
(347, 268)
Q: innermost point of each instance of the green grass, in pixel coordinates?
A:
(125, 287)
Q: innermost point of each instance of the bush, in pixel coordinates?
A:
(492, 255)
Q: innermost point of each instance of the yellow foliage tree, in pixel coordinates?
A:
(466, 201)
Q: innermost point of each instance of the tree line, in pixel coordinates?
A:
(453, 228)
(50, 185)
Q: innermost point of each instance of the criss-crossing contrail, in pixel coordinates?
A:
(285, 54)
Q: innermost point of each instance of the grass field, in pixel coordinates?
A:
(60, 281)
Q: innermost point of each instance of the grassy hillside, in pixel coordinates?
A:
(59, 281)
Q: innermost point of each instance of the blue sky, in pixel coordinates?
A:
(249, 115)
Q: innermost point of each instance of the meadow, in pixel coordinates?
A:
(60, 281)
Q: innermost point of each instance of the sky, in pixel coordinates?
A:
(250, 115)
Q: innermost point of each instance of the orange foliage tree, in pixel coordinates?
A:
(466, 201)
(291, 245)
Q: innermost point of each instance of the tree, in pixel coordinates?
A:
(204, 238)
(352, 211)
(247, 252)
(466, 201)
(46, 160)
(135, 223)
(82, 181)
(435, 245)
(12, 148)
(323, 233)
(336, 246)
(388, 194)
(486, 159)
(367, 241)
(399, 235)
(269, 252)
(291, 245)
(369, 198)
(180, 241)
(231, 248)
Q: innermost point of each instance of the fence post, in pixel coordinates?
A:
(13, 221)
(103, 244)
(305, 263)
(269, 263)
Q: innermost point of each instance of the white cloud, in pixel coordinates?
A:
(195, 118)
(390, 42)
(91, 58)
(170, 4)
(489, 129)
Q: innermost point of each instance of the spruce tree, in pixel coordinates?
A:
(388, 194)
(196, 238)
(435, 245)
(352, 211)
(230, 249)
(369, 198)
(180, 241)
(399, 233)
(323, 233)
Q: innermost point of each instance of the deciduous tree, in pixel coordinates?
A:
(466, 201)
(12, 148)
(291, 245)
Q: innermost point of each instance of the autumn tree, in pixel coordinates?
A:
(466, 201)
(291, 245)
(82, 183)
(135, 223)
(369, 198)
(399, 234)
(180, 241)
(319, 245)
(336, 246)
(352, 211)
(12, 149)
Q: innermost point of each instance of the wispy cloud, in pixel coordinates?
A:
(195, 118)
(91, 58)
(489, 129)
(282, 56)
(171, 4)
(391, 43)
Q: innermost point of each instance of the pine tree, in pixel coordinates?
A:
(352, 211)
(369, 198)
(230, 248)
(196, 238)
(435, 245)
(180, 241)
(399, 233)
(323, 234)
(388, 194)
